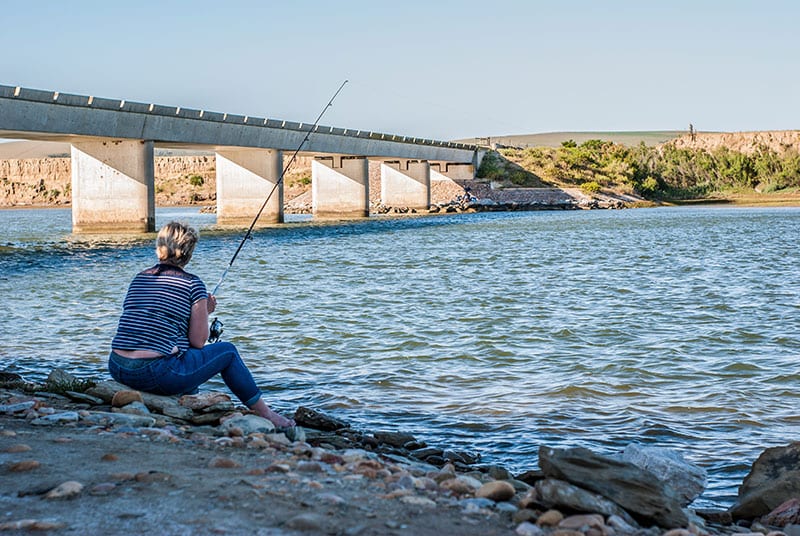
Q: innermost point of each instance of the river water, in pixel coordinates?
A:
(494, 332)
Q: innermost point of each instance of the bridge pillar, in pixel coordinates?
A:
(452, 170)
(406, 183)
(113, 186)
(340, 187)
(245, 177)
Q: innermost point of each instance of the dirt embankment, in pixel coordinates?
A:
(779, 141)
(180, 180)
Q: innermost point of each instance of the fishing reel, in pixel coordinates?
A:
(215, 331)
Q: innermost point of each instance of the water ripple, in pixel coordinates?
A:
(494, 333)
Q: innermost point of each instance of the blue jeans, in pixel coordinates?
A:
(182, 373)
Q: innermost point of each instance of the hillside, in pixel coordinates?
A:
(555, 139)
(756, 166)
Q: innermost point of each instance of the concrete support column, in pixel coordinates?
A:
(452, 170)
(113, 186)
(340, 187)
(406, 183)
(245, 177)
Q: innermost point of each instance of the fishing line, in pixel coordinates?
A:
(216, 325)
(249, 233)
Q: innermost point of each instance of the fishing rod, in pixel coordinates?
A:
(216, 325)
(249, 233)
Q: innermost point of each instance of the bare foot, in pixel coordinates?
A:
(279, 420)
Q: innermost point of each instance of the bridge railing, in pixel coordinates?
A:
(119, 105)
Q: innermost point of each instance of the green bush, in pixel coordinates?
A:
(196, 180)
(590, 187)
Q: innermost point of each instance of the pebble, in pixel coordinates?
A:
(109, 457)
(18, 407)
(551, 518)
(524, 515)
(102, 489)
(123, 398)
(152, 476)
(67, 490)
(279, 468)
(307, 523)
(23, 466)
(222, 463)
(17, 448)
(83, 397)
(529, 529)
(309, 467)
(330, 498)
(476, 506)
(497, 490)
(506, 507)
(587, 521)
(416, 500)
(134, 408)
(56, 418)
(31, 525)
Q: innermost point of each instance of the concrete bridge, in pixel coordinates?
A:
(113, 145)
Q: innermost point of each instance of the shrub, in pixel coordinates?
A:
(196, 180)
(590, 187)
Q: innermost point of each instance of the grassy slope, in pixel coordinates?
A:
(554, 139)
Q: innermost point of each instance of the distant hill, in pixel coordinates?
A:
(554, 139)
(13, 150)
(17, 150)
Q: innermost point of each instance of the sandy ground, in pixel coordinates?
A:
(138, 483)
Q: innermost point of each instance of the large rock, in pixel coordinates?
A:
(774, 478)
(317, 420)
(249, 424)
(686, 479)
(638, 491)
(166, 405)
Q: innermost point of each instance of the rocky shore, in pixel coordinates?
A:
(99, 458)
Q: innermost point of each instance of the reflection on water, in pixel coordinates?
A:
(491, 332)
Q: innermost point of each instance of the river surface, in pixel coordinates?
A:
(494, 332)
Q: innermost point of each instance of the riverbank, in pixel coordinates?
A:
(98, 461)
(72, 468)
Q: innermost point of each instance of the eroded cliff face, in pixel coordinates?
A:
(779, 141)
(180, 180)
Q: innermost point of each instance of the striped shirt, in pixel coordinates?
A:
(156, 310)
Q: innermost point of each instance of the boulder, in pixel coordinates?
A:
(317, 420)
(774, 478)
(638, 491)
(686, 479)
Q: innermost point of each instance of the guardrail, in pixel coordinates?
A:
(68, 99)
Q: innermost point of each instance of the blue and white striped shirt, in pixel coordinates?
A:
(156, 310)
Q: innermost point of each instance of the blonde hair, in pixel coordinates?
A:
(175, 243)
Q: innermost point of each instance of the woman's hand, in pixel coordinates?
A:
(211, 303)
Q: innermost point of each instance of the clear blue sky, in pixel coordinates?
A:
(434, 69)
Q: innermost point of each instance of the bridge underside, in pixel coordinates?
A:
(112, 149)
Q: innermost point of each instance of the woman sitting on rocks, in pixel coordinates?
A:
(160, 345)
